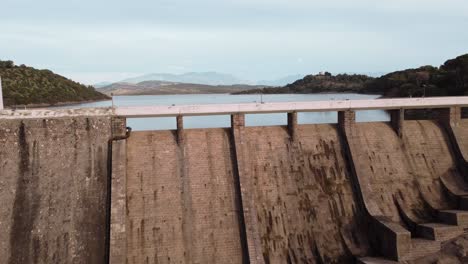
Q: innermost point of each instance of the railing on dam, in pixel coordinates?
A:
(245, 108)
(288, 107)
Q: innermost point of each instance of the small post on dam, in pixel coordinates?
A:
(180, 129)
(1, 94)
(397, 117)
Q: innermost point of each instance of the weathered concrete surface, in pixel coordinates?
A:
(400, 177)
(52, 188)
(56, 113)
(250, 194)
(429, 157)
(301, 195)
(181, 205)
(118, 236)
(383, 170)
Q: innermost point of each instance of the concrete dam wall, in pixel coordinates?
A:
(300, 197)
(82, 189)
(52, 188)
(181, 199)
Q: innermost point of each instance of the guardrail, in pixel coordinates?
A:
(288, 107)
(246, 108)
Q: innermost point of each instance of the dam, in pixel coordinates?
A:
(79, 186)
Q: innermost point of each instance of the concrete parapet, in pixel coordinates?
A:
(450, 116)
(119, 126)
(237, 120)
(285, 107)
(346, 119)
(57, 113)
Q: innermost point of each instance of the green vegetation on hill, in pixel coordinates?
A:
(165, 87)
(450, 79)
(24, 85)
(321, 83)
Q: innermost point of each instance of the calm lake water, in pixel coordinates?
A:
(224, 120)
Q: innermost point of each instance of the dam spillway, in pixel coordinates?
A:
(302, 193)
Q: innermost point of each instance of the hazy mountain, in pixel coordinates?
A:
(101, 84)
(165, 87)
(209, 78)
(282, 81)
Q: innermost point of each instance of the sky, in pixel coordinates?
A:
(108, 40)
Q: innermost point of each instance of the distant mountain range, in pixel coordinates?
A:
(282, 81)
(187, 83)
(165, 87)
(206, 78)
(101, 84)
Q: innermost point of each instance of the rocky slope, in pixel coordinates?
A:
(24, 85)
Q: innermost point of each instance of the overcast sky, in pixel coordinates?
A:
(107, 40)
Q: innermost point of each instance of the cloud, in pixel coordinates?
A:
(252, 38)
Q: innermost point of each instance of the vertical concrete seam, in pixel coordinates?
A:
(449, 119)
(238, 189)
(185, 188)
(117, 126)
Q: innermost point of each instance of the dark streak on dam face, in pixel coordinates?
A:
(25, 205)
(324, 193)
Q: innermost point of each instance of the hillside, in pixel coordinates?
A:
(320, 83)
(450, 79)
(164, 87)
(208, 78)
(24, 85)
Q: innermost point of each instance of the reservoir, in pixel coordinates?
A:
(163, 123)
